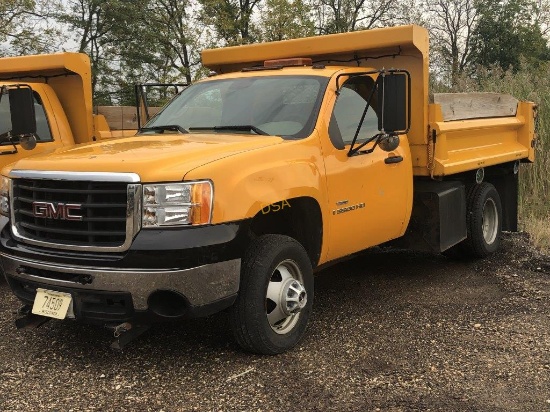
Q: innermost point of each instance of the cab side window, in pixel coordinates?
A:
(348, 110)
(42, 126)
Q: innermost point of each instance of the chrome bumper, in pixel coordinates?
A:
(200, 285)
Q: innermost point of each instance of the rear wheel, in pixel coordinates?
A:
(483, 222)
(271, 312)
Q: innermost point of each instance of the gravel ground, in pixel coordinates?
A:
(392, 331)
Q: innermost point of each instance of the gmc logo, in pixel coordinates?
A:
(61, 211)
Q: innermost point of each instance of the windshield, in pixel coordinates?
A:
(276, 105)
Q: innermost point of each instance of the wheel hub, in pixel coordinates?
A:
(293, 297)
(286, 297)
(489, 221)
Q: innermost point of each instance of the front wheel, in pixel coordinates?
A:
(271, 312)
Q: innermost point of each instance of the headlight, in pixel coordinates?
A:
(4, 196)
(174, 204)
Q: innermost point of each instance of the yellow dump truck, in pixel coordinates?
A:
(60, 89)
(290, 155)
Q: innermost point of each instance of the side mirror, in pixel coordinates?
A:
(389, 143)
(23, 118)
(394, 101)
(27, 141)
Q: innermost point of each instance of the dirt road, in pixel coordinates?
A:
(392, 331)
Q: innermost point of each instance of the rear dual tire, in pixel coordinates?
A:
(483, 223)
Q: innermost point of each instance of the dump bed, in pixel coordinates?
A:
(473, 130)
(439, 146)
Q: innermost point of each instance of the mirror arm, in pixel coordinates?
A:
(357, 150)
(353, 150)
(9, 138)
(140, 92)
(12, 142)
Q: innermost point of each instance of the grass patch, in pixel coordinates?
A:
(539, 231)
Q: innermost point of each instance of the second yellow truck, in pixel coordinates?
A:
(290, 155)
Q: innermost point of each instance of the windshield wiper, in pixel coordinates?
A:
(239, 128)
(169, 127)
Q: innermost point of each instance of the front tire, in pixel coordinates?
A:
(275, 297)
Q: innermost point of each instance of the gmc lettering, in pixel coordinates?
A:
(61, 211)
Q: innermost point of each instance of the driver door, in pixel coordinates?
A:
(44, 132)
(370, 197)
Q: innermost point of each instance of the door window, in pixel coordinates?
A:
(348, 110)
(43, 133)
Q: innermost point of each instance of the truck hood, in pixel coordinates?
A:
(155, 158)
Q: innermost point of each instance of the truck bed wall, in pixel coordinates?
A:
(122, 117)
(461, 145)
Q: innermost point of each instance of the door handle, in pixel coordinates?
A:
(393, 159)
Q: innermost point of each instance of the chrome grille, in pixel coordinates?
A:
(106, 219)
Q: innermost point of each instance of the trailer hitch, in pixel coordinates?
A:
(29, 320)
(125, 332)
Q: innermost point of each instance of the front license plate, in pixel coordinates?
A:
(52, 304)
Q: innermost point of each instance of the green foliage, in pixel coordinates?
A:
(133, 41)
(505, 32)
(285, 19)
(231, 19)
(27, 26)
(451, 25)
(340, 16)
(11, 11)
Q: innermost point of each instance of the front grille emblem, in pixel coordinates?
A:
(59, 211)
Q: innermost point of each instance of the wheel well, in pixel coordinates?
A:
(299, 218)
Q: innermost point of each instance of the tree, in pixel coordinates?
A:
(340, 16)
(231, 19)
(26, 27)
(451, 24)
(285, 19)
(91, 21)
(172, 28)
(541, 16)
(507, 31)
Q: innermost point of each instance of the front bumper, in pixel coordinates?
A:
(197, 270)
(110, 294)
